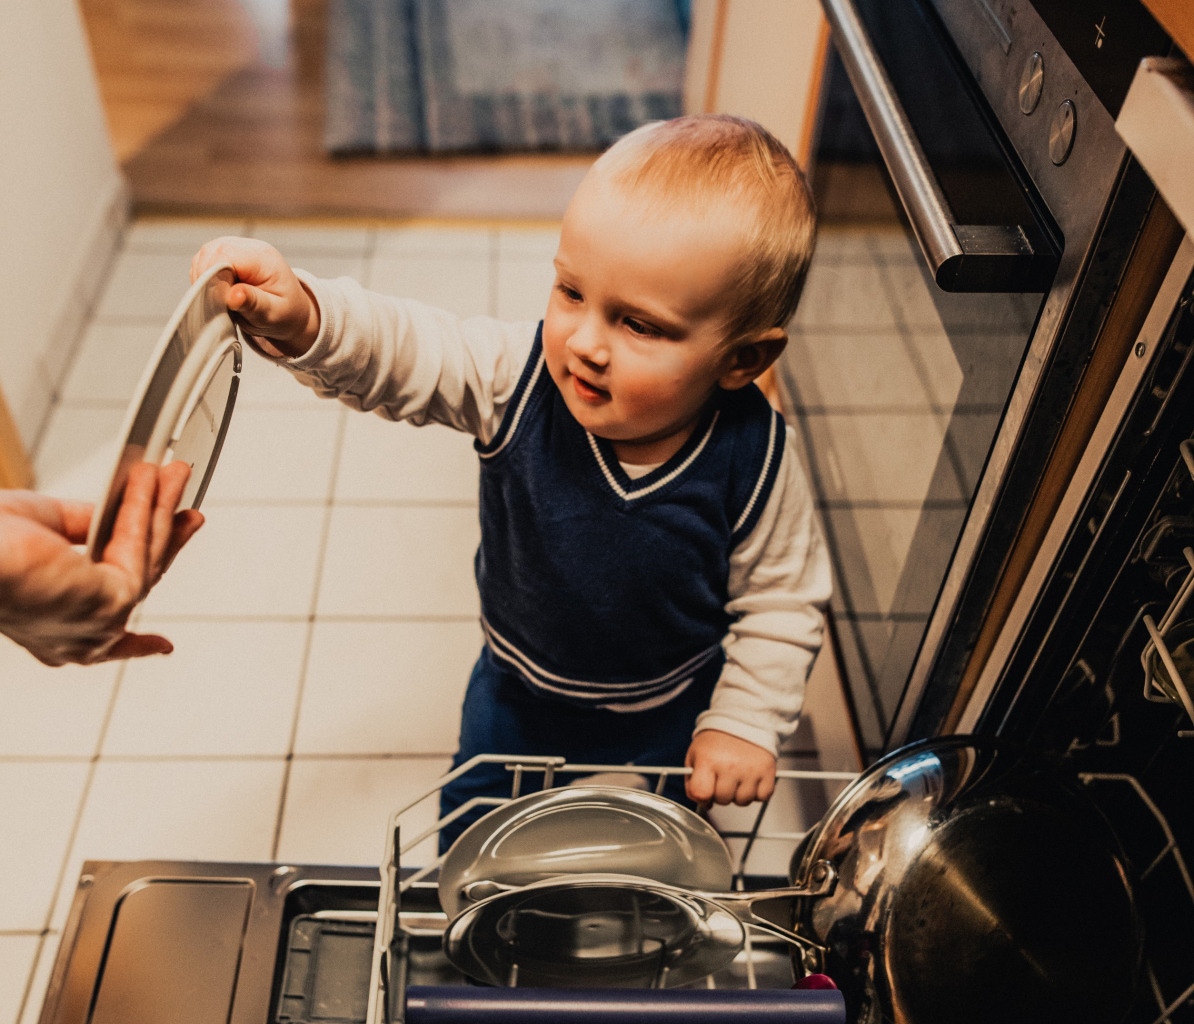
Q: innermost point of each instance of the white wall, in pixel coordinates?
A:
(62, 200)
(760, 59)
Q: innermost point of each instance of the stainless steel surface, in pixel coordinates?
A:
(1032, 82)
(964, 888)
(619, 930)
(966, 258)
(593, 931)
(1062, 132)
(986, 380)
(582, 830)
(188, 942)
(1064, 327)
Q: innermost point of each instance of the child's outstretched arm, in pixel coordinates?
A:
(726, 769)
(268, 301)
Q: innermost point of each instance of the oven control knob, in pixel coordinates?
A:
(1061, 132)
(1032, 81)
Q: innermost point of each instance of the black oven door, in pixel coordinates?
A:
(962, 263)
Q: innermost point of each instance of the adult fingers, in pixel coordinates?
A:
(128, 548)
(75, 519)
(186, 525)
(172, 480)
(137, 645)
(69, 519)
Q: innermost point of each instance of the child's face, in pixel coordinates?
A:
(635, 327)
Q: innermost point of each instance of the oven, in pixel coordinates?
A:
(1003, 445)
(978, 221)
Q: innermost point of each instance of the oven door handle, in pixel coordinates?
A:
(961, 257)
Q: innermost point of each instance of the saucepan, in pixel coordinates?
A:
(954, 879)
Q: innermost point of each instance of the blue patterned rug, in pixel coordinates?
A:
(499, 75)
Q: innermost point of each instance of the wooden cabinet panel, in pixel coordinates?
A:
(15, 468)
(1177, 18)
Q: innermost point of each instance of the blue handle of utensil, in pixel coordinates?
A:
(428, 1004)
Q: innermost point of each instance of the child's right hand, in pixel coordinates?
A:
(268, 301)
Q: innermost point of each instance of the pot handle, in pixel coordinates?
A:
(821, 880)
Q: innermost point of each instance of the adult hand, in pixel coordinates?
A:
(726, 769)
(268, 301)
(62, 606)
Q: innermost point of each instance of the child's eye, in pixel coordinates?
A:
(638, 327)
(571, 294)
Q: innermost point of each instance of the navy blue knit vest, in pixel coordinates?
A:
(604, 590)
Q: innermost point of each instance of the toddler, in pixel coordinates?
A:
(650, 570)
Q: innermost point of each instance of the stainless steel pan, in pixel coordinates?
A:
(583, 830)
(621, 930)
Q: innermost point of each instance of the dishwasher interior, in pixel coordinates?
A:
(199, 942)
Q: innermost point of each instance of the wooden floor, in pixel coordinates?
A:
(215, 107)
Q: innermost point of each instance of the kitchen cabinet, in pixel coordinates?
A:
(1177, 18)
(15, 468)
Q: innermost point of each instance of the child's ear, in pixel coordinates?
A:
(750, 358)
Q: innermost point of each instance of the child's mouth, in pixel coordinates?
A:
(587, 391)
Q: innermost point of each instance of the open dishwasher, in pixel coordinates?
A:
(200, 942)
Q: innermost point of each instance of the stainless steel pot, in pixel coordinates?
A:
(590, 930)
(971, 884)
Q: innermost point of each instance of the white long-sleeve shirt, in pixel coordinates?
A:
(409, 361)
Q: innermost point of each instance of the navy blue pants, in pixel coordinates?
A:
(502, 715)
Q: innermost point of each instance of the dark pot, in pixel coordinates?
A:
(971, 885)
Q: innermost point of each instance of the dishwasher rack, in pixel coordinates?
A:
(763, 962)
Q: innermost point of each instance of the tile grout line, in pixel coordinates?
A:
(330, 504)
(23, 1004)
(92, 766)
(60, 879)
(905, 334)
(816, 482)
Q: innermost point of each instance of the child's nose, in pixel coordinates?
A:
(588, 342)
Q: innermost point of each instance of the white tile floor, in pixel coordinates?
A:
(898, 389)
(324, 618)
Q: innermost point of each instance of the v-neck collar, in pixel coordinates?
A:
(629, 488)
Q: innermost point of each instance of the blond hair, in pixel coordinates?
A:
(706, 161)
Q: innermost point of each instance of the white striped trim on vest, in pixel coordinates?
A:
(522, 404)
(642, 492)
(633, 696)
(762, 478)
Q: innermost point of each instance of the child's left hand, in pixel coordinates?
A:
(726, 769)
